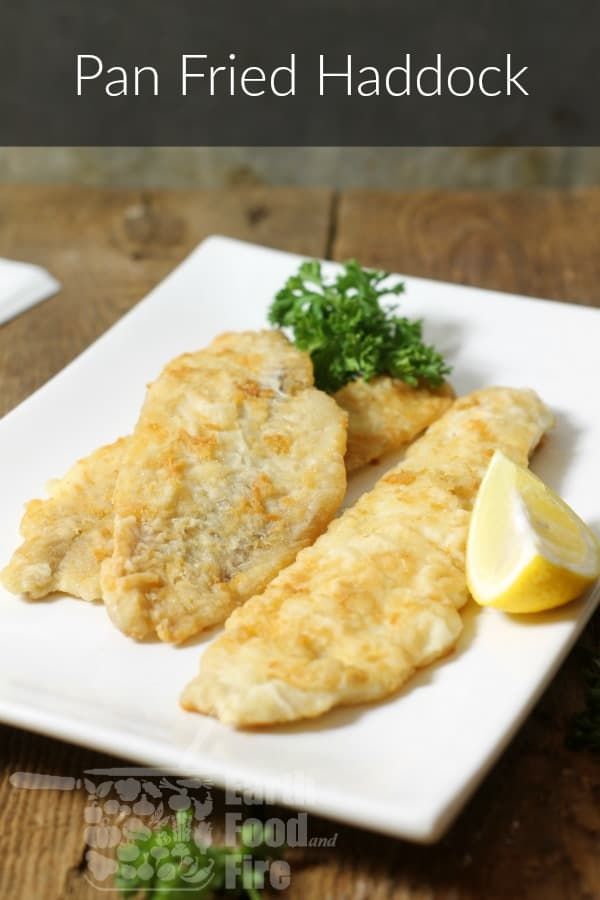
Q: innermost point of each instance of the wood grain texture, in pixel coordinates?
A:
(108, 248)
(542, 243)
(532, 830)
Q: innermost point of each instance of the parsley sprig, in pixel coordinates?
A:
(349, 334)
(159, 865)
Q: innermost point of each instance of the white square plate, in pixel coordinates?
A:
(405, 766)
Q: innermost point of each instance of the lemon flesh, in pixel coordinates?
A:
(527, 551)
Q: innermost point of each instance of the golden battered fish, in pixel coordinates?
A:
(385, 414)
(236, 463)
(377, 596)
(67, 536)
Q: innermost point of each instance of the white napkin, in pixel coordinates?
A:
(23, 285)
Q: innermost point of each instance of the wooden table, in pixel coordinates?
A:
(532, 829)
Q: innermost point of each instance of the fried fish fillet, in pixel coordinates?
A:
(377, 595)
(67, 535)
(236, 463)
(385, 414)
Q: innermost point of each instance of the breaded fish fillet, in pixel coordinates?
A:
(236, 463)
(385, 414)
(67, 536)
(377, 595)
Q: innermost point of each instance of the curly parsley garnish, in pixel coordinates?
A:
(169, 863)
(349, 334)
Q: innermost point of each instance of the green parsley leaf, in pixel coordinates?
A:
(349, 334)
(159, 865)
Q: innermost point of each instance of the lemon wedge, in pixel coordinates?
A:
(527, 550)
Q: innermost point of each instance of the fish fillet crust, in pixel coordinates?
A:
(67, 535)
(385, 414)
(236, 463)
(377, 595)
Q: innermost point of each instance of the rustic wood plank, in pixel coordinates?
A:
(41, 831)
(542, 243)
(531, 832)
(108, 248)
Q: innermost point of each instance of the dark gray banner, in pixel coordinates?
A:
(284, 72)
